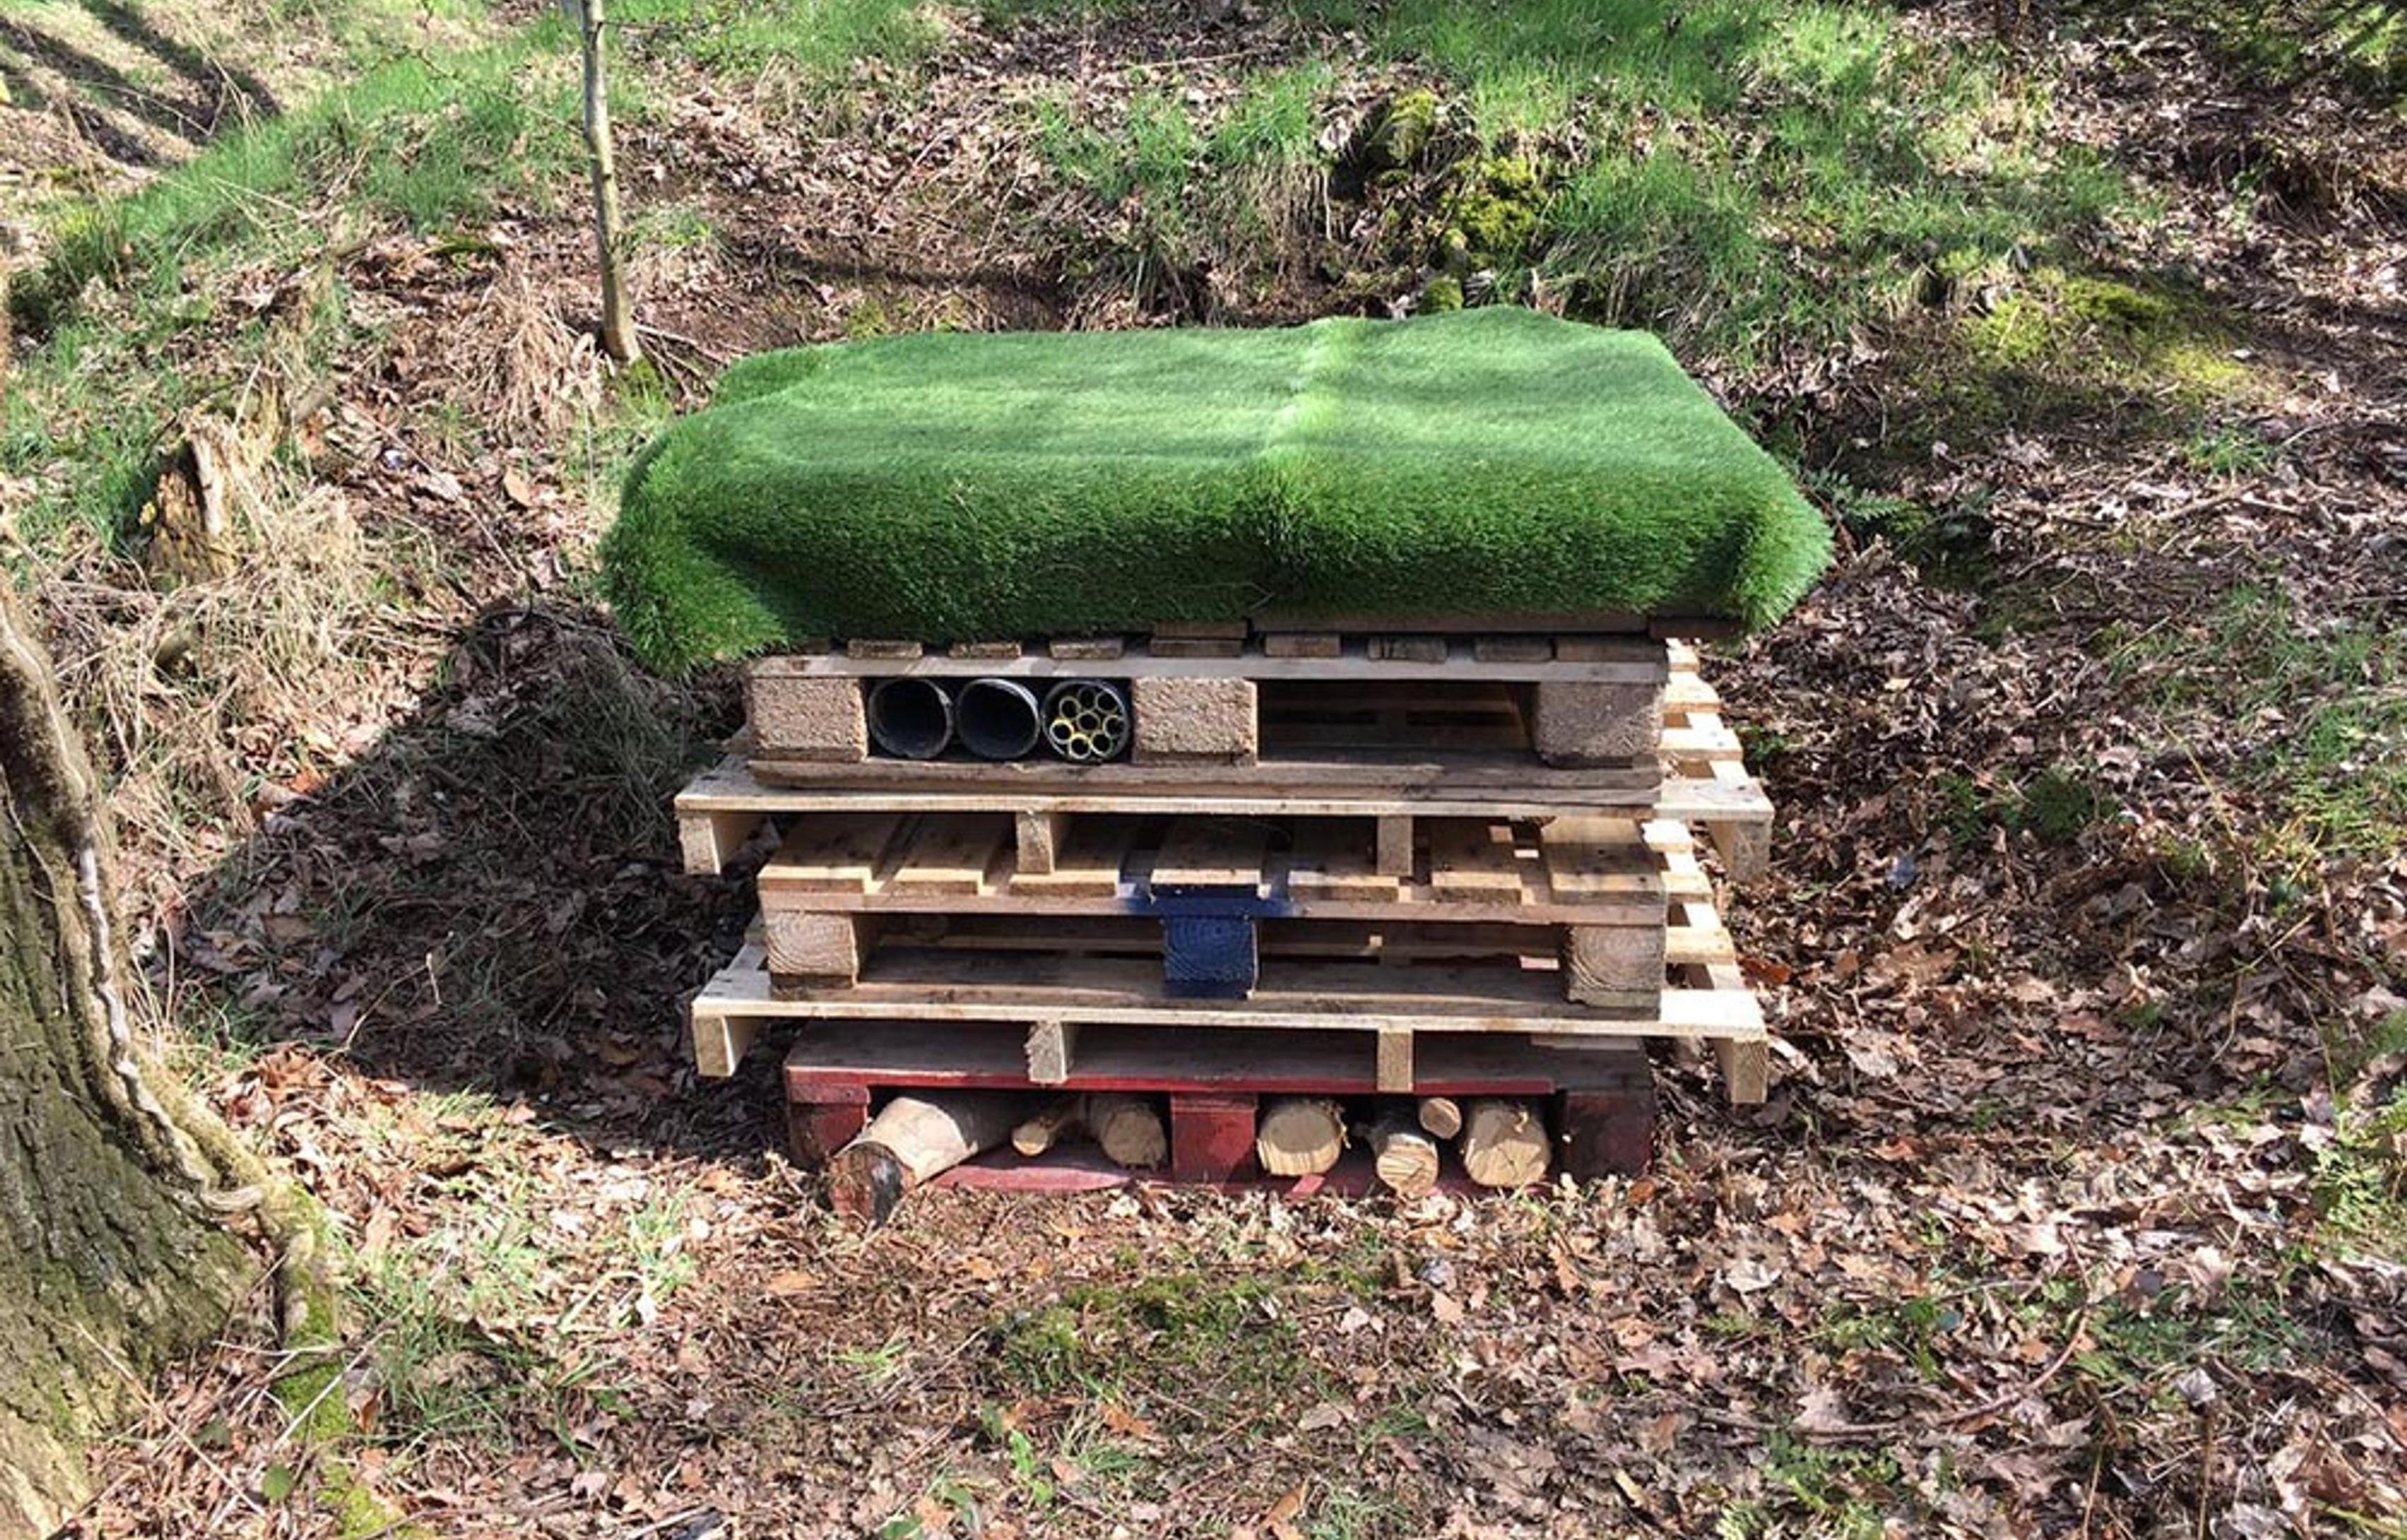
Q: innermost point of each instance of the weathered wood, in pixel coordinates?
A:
(911, 1139)
(1747, 1069)
(930, 984)
(1129, 1129)
(1403, 1155)
(1395, 1062)
(1393, 844)
(1300, 1136)
(1049, 1125)
(1441, 1115)
(1513, 649)
(1412, 650)
(1036, 836)
(720, 1043)
(814, 947)
(1050, 1046)
(885, 647)
(985, 651)
(1302, 644)
(1086, 649)
(1612, 964)
(1504, 1143)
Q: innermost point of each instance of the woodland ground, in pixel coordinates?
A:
(2077, 1205)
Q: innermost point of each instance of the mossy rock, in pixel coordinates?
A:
(1397, 133)
(1443, 292)
(1497, 213)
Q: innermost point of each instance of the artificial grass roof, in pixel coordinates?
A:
(953, 486)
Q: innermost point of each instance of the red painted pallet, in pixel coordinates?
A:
(1601, 1100)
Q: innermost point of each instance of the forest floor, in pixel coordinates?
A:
(2078, 1202)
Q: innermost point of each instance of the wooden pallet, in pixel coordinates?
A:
(1600, 1103)
(1042, 1000)
(1209, 898)
(720, 811)
(1251, 708)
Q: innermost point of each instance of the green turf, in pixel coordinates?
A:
(955, 486)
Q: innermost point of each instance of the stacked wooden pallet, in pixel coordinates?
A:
(1334, 867)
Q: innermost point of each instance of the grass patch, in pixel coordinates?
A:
(2321, 706)
(2361, 1175)
(1189, 1352)
(814, 41)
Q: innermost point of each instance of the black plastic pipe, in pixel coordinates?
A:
(911, 718)
(996, 719)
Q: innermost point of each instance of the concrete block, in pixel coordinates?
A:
(1194, 721)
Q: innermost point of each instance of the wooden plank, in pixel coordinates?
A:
(1050, 1046)
(1601, 860)
(1395, 1060)
(833, 853)
(1036, 836)
(1745, 1064)
(1394, 854)
(1087, 865)
(952, 853)
(1579, 623)
(1473, 864)
(734, 786)
(1614, 662)
(1086, 649)
(836, 1061)
(709, 840)
(1745, 845)
(720, 1042)
(1217, 763)
(882, 650)
(1410, 649)
(1513, 649)
(1197, 640)
(1302, 644)
(915, 984)
(1333, 861)
(984, 650)
(1213, 853)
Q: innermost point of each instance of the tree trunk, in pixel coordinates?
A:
(609, 239)
(110, 1259)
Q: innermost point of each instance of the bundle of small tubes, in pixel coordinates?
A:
(1085, 721)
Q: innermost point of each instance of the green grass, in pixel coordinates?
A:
(817, 39)
(2361, 1175)
(1495, 461)
(1739, 175)
(2322, 705)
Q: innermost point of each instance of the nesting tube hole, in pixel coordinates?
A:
(911, 718)
(1087, 720)
(996, 719)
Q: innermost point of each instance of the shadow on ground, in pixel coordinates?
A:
(491, 902)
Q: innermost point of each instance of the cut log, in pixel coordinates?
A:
(912, 1140)
(1300, 1136)
(1129, 1128)
(1441, 1115)
(1041, 1133)
(1405, 1158)
(1503, 1143)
